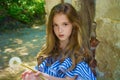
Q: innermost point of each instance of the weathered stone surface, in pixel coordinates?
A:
(108, 33)
(49, 5)
(108, 9)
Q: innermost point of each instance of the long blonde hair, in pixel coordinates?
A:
(75, 48)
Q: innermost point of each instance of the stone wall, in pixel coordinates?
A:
(49, 5)
(108, 31)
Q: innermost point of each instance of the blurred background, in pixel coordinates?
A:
(22, 33)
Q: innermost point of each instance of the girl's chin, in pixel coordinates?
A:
(62, 39)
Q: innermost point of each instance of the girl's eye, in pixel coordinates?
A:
(55, 25)
(65, 24)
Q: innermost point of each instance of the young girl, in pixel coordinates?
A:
(64, 56)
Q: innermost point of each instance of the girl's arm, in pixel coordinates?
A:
(55, 78)
(29, 75)
(48, 77)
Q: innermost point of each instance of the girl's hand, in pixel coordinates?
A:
(26, 73)
(29, 75)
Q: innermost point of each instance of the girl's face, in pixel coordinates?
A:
(62, 27)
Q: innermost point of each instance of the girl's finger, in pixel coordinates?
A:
(29, 72)
(26, 73)
(23, 74)
(37, 73)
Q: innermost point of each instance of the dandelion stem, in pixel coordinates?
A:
(32, 70)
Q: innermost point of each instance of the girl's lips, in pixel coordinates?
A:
(61, 35)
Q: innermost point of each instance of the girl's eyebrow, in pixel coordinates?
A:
(54, 24)
(66, 22)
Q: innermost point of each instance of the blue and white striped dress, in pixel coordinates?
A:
(58, 69)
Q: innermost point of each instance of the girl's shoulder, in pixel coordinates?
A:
(83, 63)
(83, 67)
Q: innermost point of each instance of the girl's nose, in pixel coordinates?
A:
(60, 29)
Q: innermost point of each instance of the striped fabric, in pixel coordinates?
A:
(58, 69)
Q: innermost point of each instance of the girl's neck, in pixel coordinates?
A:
(63, 44)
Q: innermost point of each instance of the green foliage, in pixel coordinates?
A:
(23, 10)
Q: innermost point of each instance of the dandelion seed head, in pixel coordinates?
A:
(14, 62)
